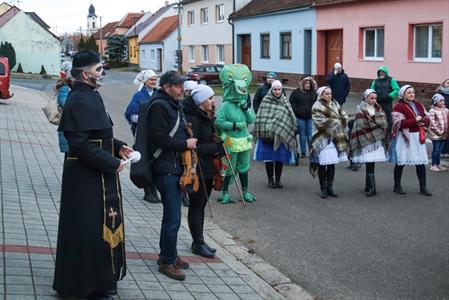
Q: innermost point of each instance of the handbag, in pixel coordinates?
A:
(52, 110)
(141, 171)
(422, 135)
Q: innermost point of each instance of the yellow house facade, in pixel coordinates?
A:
(133, 50)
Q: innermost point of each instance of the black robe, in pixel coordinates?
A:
(90, 252)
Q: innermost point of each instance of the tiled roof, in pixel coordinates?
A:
(8, 15)
(261, 7)
(130, 19)
(188, 1)
(330, 2)
(107, 30)
(141, 26)
(161, 31)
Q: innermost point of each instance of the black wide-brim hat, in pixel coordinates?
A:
(85, 58)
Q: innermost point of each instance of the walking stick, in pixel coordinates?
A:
(233, 174)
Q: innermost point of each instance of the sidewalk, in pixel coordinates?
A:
(30, 183)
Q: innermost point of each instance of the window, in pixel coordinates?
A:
(286, 45)
(153, 56)
(265, 45)
(204, 15)
(190, 18)
(219, 13)
(220, 54)
(205, 53)
(373, 43)
(191, 53)
(93, 25)
(427, 42)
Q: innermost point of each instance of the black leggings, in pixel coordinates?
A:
(420, 172)
(195, 215)
(277, 169)
(370, 167)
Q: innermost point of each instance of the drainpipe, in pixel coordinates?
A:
(233, 32)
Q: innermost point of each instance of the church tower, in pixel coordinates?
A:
(92, 24)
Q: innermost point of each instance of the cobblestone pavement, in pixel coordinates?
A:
(30, 184)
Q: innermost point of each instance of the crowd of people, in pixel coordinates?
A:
(182, 120)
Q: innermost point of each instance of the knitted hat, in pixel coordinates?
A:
(338, 66)
(142, 77)
(276, 83)
(320, 90)
(190, 85)
(368, 92)
(402, 91)
(437, 98)
(272, 74)
(201, 93)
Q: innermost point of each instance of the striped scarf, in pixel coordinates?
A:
(276, 120)
(368, 130)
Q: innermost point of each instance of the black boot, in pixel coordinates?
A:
(185, 200)
(323, 181)
(421, 172)
(277, 174)
(372, 185)
(397, 180)
(149, 196)
(330, 180)
(269, 169)
(367, 182)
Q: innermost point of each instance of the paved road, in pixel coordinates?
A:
(353, 247)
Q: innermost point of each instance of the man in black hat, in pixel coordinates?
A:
(90, 255)
(168, 138)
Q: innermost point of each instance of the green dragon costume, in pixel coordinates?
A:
(232, 121)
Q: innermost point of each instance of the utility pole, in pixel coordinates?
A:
(179, 51)
(101, 38)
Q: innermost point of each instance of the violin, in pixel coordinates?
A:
(189, 181)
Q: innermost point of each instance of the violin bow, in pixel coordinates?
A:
(239, 188)
(204, 188)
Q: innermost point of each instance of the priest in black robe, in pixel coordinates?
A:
(90, 255)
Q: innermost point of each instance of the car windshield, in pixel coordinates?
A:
(219, 68)
(210, 69)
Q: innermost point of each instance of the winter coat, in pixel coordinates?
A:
(139, 97)
(339, 85)
(208, 146)
(446, 98)
(260, 94)
(410, 117)
(302, 100)
(63, 92)
(387, 88)
(162, 118)
(439, 123)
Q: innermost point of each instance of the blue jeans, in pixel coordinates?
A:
(305, 133)
(168, 186)
(436, 151)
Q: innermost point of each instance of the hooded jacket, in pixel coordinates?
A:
(387, 88)
(339, 85)
(302, 100)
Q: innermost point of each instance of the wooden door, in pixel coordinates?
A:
(160, 59)
(246, 49)
(334, 48)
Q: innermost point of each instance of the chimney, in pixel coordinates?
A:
(166, 3)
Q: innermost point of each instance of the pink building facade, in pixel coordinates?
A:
(410, 37)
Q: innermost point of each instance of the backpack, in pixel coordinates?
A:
(141, 171)
(52, 110)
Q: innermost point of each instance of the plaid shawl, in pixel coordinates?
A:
(368, 130)
(397, 118)
(329, 122)
(276, 120)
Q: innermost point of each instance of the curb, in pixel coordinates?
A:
(265, 278)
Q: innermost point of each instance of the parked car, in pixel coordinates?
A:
(5, 74)
(205, 74)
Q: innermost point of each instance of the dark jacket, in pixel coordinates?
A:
(162, 118)
(203, 128)
(260, 94)
(302, 100)
(446, 98)
(387, 88)
(339, 85)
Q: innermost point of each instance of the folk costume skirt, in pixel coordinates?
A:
(265, 152)
(370, 155)
(413, 153)
(329, 155)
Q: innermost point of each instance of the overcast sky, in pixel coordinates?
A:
(68, 15)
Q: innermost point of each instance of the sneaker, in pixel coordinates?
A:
(435, 169)
(442, 168)
(172, 272)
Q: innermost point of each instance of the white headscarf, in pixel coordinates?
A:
(402, 91)
(320, 91)
(142, 77)
(368, 92)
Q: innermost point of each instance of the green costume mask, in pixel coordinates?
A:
(235, 80)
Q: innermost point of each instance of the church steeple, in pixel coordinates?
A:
(92, 25)
(91, 11)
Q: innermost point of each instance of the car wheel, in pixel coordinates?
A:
(202, 81)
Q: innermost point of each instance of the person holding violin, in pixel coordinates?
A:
(199, 112)
(169, 138)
